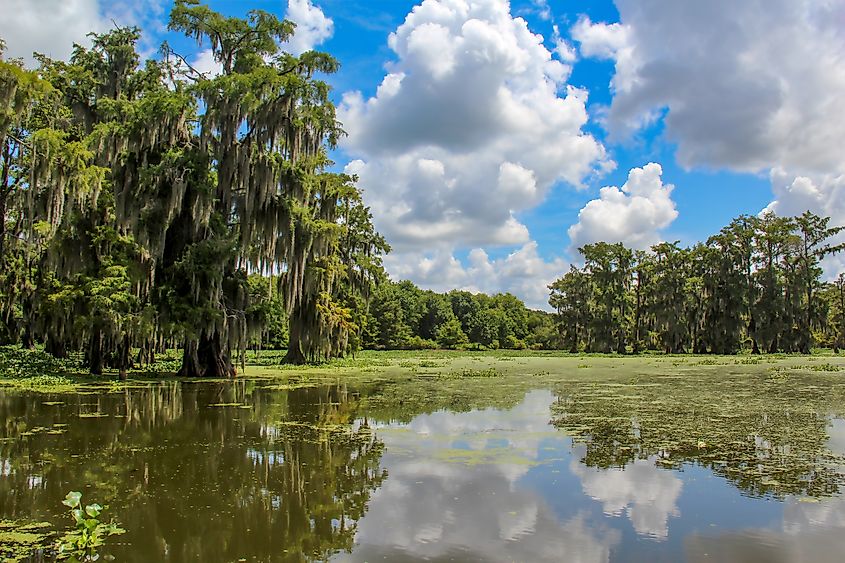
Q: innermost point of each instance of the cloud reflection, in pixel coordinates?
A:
(646, 494)
(434, 507)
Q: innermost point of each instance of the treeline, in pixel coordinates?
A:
(137, 198)
(757, 285)
(403, 316)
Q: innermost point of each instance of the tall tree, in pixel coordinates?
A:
(262, 149)
(814, 234)
(610, 268)
(570, 297)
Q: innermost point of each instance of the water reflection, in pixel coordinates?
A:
(647, 495)
(456, 491)
(770, 437)
(248, 477)
(811, 531)
(222, 472)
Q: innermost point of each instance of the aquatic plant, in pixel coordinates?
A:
(81, 543)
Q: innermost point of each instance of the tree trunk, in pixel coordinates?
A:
(295, 354)
(190, 361)
(206, 358)
(95, 353)
(55, 347)
(27, 341)
(216, 362)
(3, 196)
(123, 361)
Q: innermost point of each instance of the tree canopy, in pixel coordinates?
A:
(138, 199)
(757, 284)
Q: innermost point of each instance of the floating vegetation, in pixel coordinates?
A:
(825, 367)
(487, 456)
(291, 430)
(491, 372)
(766, 433)
(19, 541)
(748, 361)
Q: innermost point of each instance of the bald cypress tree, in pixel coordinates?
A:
(150, 192)
(261, 155)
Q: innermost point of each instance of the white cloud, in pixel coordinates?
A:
(747, 86)
(312, 26)
(542, 9)
(797, 194)
(633, 214)
(49, 27)
(473, 123)
(564, 50)
(205, 63)
(523, 272)
(610, 41)
(821, 194)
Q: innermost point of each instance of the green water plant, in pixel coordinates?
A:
(81, 543)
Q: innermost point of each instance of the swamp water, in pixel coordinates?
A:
(248, 472)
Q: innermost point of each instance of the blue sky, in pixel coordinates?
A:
(492, 138)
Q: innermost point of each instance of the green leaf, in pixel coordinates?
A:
(72, 499)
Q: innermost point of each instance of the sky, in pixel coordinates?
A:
(492, 138)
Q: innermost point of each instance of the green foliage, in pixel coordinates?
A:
(142, 195)
(402, 316)
(81, 543)
(757, 284)
(36, 368)
(450, 334)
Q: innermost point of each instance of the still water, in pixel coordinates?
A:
(245, 472)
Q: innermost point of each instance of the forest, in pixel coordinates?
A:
(138, 197)
(148, 206)
(756, 286)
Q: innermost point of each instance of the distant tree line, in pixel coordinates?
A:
(137, 198)
(403, 316)
(756, 285)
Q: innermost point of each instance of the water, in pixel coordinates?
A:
(229, 472)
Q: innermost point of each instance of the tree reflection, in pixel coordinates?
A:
(767, 435)
(263, 475)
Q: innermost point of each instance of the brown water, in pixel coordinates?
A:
(240, 472)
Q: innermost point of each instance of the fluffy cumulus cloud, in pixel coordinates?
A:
(473, 123)
(51, 27)
(746, 85)
(633, 214)
(313, 27)
(523, 272)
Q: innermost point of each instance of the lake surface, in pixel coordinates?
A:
(247, 472)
